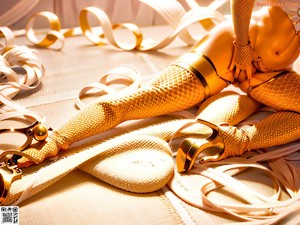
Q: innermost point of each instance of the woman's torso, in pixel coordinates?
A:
(276, 44)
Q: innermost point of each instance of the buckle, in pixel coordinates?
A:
(34, 131)
(9, 171)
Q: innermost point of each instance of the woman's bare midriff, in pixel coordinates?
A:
(276, 43)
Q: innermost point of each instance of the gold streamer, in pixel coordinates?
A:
(177, 17)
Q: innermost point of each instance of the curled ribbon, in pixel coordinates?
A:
(126, 76)
(258, 209)
(8, 35)
(172, 12)
(13, 59)
(52, 35)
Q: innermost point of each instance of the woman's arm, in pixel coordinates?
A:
(241, 15)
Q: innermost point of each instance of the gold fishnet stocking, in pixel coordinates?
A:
(281, 92)
(277, 129)
(280, 128)
(241, 14)
(174, 89)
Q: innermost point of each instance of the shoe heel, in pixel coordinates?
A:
(208, 149)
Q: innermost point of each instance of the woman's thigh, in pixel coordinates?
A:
(218, 46)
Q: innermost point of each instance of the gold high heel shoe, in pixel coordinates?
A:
(206, 149)
(212, 148)
(9, 171)
(228, 141)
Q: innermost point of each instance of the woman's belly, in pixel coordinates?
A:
(276, 44)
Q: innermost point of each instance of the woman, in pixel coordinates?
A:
(248, 54)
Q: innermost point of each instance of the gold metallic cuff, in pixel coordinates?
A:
(202, 67)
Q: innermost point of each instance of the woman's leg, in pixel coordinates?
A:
(282, 92)
(183, 84)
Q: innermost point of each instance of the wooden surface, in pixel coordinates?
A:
(80, 198)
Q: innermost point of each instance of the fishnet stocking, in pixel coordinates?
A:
(282, 92)
(242, 58)
(280, 128)
(277, 129)
(241, 11)
(173, 90)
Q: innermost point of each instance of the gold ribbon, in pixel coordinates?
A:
(174, 14)
(107, 27)
(8, 35)
(52, 35)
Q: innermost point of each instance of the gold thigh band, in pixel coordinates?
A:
(202, 67)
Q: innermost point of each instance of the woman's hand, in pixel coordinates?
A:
(243, 54)
(242, 62)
